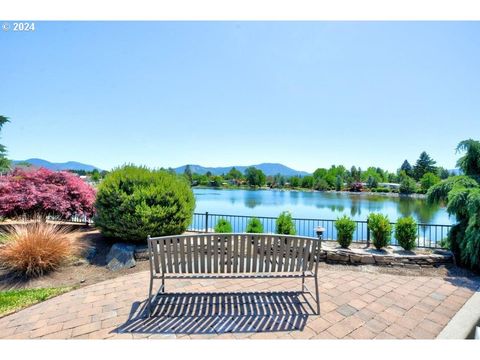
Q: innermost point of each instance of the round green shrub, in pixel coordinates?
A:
(285, 224)
(254, 226)
(345, 228)
(223, 226)
(381, 230)
(134, 202)
(406, 232)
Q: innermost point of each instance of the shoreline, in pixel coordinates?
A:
(362, 193)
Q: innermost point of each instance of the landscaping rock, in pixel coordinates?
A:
(121, 256)
(383, 259)
(368, 259)
(141, 252)
(90, 254)
(356, 258)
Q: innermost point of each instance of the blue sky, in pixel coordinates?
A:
(306, 94)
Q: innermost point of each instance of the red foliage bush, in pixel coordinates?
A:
(356, 187)
(41, 191)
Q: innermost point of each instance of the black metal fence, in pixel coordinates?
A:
(428, 235)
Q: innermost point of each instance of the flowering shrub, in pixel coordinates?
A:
(356, 187)
(44, 192)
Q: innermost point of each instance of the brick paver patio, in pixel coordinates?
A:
(354, 305)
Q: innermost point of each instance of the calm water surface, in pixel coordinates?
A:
(316, 205)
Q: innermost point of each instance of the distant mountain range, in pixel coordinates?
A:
(267, 168)
(69, 165)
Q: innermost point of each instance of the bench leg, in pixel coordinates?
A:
(149, 299)
(317, 296)
(303, 281)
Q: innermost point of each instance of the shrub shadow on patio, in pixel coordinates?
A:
(217, 313)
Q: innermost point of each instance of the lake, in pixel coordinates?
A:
(316, 205)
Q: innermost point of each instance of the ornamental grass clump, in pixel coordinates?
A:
(345, 228)
(36, 248)
(285, 224)
(381, 230)
(134, 202)
(254, 226)
(223, 226)
(406, 232)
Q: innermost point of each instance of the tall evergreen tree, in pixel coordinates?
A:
(424, 165)
(4, 162)
(407, 168)
(188, 173)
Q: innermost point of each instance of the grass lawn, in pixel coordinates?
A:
(13, 300)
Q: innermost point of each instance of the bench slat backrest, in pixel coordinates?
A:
(232, 253)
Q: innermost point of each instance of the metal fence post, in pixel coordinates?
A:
(206, 222)
(368, 235)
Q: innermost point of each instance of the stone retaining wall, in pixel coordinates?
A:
(351, 257)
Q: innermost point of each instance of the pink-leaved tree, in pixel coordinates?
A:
(40, 192)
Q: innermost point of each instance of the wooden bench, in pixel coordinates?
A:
(230, 256)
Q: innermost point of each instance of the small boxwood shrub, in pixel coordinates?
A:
(134, 202)
(345, 228)
(223, 226)
(285, 224)
(406, 232)
(381, 230)
(254, 226)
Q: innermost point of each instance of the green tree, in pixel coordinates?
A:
(307, 182)
(355, 174)
(321, 185)
(320, 173)
(338, 183)
(424, 164)
(442, 173)
(408, 186)
(216, 181)
(255, 177)
(295, 181)
(407, 168)
(188, 173)
(234, 174)
(4, 162)
(470, 162)
(428, 180)
(461, 194)
(372, 182)
(95, 176)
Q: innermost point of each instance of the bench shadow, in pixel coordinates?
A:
(218, 313)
